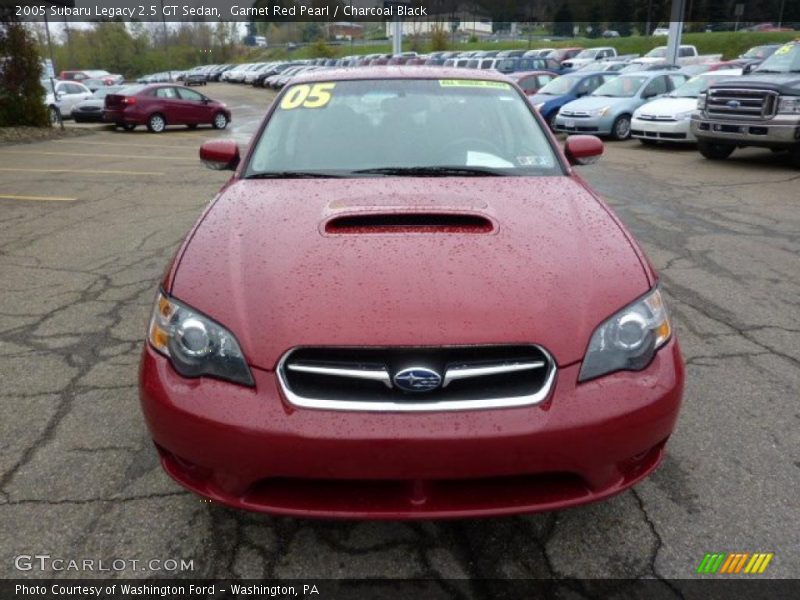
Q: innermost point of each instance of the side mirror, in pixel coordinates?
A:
(583, 149)
(220, 155)
(748, 68)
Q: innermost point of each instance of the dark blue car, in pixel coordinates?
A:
(524, 63)
(567, 88)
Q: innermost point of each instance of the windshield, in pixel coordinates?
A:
(758, 52)
(402, 127)
(621, 87)
(659, 52)
(586, 54)
(785, 59)
(696, 85)
(560, 86)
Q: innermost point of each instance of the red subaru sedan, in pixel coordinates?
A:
(406, 304)
(160, 105)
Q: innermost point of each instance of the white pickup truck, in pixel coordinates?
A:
(589, 55)
(687, 55)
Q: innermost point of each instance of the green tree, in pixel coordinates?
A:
(563, 25)
(21, 91)
(621, 15)
(596, 18)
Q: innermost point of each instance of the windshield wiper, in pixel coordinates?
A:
(431, 171)
(292, 175)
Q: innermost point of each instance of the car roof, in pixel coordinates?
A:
(400, 72)
(720, 72)
(521, 74)
(653, 73)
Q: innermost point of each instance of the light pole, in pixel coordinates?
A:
(780, 13)
(166, 41)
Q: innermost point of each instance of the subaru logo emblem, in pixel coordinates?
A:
(733, 104)
(417, 379)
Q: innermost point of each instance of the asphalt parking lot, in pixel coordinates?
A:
(87, 225)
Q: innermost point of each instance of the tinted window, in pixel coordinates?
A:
(188, 94)
(655, 87)
(587, 86)
(166, 92)
(676, 81)
(621, 87)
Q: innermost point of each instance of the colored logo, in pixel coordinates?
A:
(741, 563)
(417, 379)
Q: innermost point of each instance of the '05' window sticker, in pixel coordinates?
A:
(308, 96)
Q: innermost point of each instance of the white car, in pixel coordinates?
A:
(61, 98)
(590, 55)
(668, 119)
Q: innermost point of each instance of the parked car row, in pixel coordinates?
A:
(653, 105)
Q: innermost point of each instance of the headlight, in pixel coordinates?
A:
(788, 105)
(684, 116)
(701, 101)
(599, 112)
(195, 344)
(628, 341)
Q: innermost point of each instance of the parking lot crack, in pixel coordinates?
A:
(69, 501)
(658, 543)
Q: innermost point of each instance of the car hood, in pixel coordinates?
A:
(555, 265)
(668, 106)
(549, 99)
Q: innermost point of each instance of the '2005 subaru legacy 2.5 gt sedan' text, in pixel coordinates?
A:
(406, 304)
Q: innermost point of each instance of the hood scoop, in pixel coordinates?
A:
(408, 222)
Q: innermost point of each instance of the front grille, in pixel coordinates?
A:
(449, 378)
(574, 114)
(661, 118)
(741, 103)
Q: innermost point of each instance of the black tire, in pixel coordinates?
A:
(192, 125)
(128, 126)
(54, 114)
(621, 129)
(156, 123)
(794, 157)
(713, 151)
(220, 121)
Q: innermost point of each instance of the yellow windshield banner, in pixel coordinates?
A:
(308, 96)
(474, 83)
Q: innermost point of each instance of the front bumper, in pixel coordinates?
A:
(662, 131)
(249, 449)
(779, 132)
(584, 125)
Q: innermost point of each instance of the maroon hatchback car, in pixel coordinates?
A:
(405, 304)
(160, 105)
